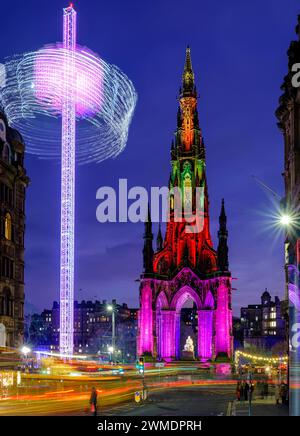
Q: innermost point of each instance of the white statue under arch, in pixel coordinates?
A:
(189, 345)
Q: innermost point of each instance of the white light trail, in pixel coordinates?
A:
(33, 97)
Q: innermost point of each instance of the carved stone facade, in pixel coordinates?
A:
(13, 183)
(185, 265)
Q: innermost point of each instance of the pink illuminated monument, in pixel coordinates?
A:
(185, 265)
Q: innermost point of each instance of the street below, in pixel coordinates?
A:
(178, 394)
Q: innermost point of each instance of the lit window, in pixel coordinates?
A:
(7, 226)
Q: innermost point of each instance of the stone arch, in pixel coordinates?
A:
(162, 301)
(209, 301)
(7, 302)
(181, 297)
(6, 153)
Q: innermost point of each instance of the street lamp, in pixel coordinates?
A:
(110, 349)
(25, 351)
(111, 308)
(286, 220)
(289, 219)
(291, 222)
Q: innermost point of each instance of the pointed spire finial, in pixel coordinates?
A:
(223, 214)
(148, 249)
(149, 214)
(159, 240)
(188, 60)
(222, 236)
(188, 86)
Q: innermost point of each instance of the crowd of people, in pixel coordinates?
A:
(281, 392)
(244, 390)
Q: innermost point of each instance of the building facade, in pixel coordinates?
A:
(288, 115)
(92, 329)
(185, 265)
(13, 184)
(263, 325)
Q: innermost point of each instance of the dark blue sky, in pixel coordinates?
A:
(239, 59)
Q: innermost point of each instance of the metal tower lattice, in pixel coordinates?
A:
(68, 185)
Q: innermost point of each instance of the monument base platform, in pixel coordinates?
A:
(187, 355)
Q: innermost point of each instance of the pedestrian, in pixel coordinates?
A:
(93, 401)
(246, 391)
(242, 390)
(238, 391)
(285, 394)
(282, 393)
(277, 393)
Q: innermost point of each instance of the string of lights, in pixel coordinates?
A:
(257, 358)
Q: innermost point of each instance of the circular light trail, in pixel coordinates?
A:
(33, 95)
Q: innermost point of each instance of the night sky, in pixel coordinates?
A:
(239, 59)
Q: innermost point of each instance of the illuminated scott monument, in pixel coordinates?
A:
(185, 265)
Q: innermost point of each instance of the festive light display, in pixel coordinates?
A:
(103, 95)
(72, 82)
(259, 359)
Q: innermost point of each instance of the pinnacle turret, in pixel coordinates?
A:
(222, 236)
(148, 247)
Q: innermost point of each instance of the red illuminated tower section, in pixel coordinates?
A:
(181, 245)
(185, 265)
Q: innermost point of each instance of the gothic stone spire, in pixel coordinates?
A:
(148, 248)
(159, 239)
(188, 79)
(222, 236)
